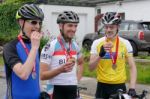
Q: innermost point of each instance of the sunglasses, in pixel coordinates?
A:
(33, 22)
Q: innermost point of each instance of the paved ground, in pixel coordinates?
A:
(2, 88)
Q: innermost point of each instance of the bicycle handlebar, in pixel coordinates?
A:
(120, 94)
(141, 96)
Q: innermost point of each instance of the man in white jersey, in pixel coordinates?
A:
(61, 59)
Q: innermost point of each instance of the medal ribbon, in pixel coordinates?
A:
(114, 59)
(67, 53)
(26, 50)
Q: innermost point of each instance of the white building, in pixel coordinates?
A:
(132, 9)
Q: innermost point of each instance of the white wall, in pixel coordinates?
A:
(135, 10)
(86, 15)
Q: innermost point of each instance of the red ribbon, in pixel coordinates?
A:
(26, 50)
(67, 53)
(114, 59)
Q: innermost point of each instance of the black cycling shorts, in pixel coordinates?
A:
(65, 92)
(104, 91)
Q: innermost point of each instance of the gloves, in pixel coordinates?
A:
(132, 92)
(102, 52)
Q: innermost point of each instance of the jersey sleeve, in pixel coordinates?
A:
(10, 55)
(47, 52)
(94, 48)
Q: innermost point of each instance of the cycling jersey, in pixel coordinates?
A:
(54, 55)
(105, 72)
(17, 88)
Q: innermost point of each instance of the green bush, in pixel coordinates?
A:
(44, 40)
(8, 25)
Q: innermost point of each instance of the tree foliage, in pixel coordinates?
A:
(8, 24)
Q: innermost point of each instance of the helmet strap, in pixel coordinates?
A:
(67, 39)
(116, 33)
(22, 29)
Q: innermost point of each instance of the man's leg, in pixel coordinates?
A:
(114, 88)
(59, 92)
(101, 92)
(71, 92)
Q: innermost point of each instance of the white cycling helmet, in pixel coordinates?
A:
(111, 18)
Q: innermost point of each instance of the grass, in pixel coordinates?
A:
(1, 61)
(143, 72)
(87, 73)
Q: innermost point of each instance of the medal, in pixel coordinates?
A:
(34, 75)
(114, 66)
(114, 58)
(67, 51)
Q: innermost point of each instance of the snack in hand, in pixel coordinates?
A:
(109, 43)
(71, 59)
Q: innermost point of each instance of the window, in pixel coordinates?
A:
(133, 26)
(146, 26)
(124, 26)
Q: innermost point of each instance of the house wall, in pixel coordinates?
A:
(134, 10)
(86, 15)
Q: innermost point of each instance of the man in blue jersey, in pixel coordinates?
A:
(61, 58)
(21, 56)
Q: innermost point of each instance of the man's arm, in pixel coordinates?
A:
(46, 73)
(133, 72)
(94, 59)
(24, 70)
(80, 68)
(95, 55)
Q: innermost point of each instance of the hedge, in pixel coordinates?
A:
(8, 26)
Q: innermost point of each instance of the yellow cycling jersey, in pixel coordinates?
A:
(105, 72)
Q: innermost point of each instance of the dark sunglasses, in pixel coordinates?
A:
(33, 22)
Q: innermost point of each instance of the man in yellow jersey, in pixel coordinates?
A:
(108, 56)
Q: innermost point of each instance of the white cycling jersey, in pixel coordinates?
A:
(54, 55)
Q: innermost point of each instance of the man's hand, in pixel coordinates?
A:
(132, 92)
(107, 46)
(35, 39)
(102, 52)
(67, 67)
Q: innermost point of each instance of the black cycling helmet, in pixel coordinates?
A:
(68, 17)
(111, 18)
(30, 11)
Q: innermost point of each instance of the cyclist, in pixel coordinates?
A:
(21, 56)
(108, 56)
(61, 59)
